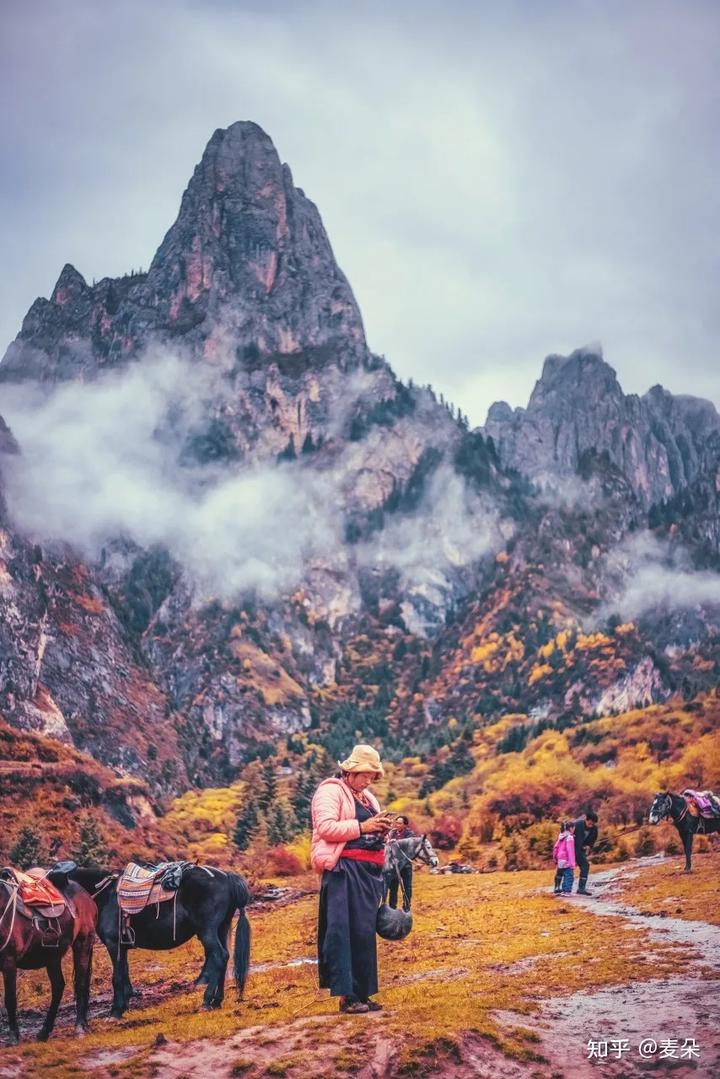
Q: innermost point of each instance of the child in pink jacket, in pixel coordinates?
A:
(564, 858)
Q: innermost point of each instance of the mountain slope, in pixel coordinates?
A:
(228, 522)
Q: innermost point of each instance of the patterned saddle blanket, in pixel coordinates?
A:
(36, 894)
(706, 802)
(142, 886)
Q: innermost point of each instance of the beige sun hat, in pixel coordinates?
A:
(363, 759)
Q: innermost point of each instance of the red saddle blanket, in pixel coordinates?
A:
(35, 890)
(140, 887)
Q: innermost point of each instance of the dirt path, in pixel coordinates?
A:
(680, 1009)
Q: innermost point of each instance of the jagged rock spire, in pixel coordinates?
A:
(249, 251)
(578, 405)
(70, 286)
(246, 267)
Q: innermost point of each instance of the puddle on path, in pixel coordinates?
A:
(261, 968)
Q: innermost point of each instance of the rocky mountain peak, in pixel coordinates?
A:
(245, 274)
(583, 376)
(248, 249)
(578, 406)
(70, 287)
(697, 412)
(500, 413)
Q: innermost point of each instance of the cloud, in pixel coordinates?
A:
(647, 574)
(101, 461)
(453, 529)
(107, 460)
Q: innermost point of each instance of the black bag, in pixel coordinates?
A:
(393, 924)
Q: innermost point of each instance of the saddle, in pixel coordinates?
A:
(702, 803)
(142, 886)
(36, 894)
(37, 899)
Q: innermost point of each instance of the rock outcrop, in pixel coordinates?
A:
(245, 274)
(578, 406)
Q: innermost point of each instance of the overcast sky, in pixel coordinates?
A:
(499, 180)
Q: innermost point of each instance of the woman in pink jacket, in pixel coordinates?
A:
(348, 849)
(564, 858)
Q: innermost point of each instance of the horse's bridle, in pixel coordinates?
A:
(668, 809)
(426, 850)
(422, 850)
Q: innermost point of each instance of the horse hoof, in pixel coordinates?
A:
(82, 1029)
(13, 1039)
(43, 1035)
(115, 1013)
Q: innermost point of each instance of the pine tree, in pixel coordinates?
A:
(245, 826)
(91, 851)
(303, 796)
(288, 454)
(259, 834)
(279, 824)
(26, 851)
(268, 793)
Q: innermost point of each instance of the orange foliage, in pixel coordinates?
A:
(587, 642)
(283, 862)
(540, 670)
(88, 603)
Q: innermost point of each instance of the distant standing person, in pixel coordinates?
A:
(586, 833)
(401, 830)
(348, 831)
(564, 858)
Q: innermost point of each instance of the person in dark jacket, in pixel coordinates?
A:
(586, 833)
(400, 830)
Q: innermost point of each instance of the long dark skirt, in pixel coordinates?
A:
(347, 948)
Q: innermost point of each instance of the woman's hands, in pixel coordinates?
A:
(380, 823)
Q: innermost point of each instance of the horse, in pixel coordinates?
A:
(203, 907)
(397, 868)
(675, 807)
(28, 944)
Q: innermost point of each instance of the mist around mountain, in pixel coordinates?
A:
(227, 529)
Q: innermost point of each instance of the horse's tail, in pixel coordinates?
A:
(241, 957)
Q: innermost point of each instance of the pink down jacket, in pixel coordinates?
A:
(333, 822)
(564, 850)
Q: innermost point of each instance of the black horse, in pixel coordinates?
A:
(206, 901)
(675, 807)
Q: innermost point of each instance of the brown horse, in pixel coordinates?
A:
(29, 942)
